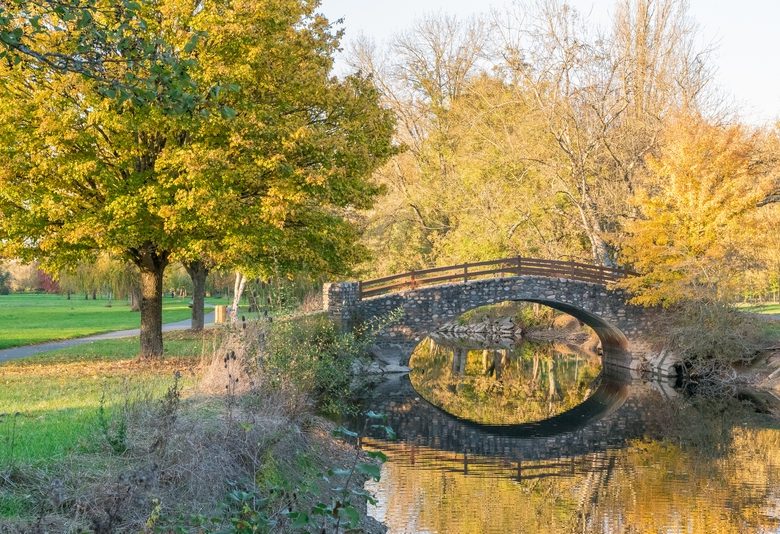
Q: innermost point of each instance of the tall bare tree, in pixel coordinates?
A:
(420, 73)
(604, 97)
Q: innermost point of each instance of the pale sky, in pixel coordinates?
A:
(745, 33)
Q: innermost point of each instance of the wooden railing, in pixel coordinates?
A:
(515, 266)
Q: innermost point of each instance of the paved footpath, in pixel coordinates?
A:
(31, 350)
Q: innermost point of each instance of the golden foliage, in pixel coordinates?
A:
(694, 237)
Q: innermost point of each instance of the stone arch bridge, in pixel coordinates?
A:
(429, 298)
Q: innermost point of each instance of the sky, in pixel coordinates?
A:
(745, 35)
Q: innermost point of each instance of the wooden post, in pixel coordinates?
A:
(412, 281)
(519, 265)
(360, 290)
(465, 272)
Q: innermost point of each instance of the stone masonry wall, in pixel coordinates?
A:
(341, 301)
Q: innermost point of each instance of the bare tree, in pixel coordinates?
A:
(604, 97)
(423, 70)
(419, 74)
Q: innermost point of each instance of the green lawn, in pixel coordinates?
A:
(32, 318)
(771, 327)
(769, 309)
(49, 402)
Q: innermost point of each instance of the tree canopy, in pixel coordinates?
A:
(261, 170)
(697, 234)
(536, 133)
(109, 42)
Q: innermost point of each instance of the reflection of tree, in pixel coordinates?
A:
(530, 382)
(434, 495)
(553, 392)
(661, 486)
(653, 486)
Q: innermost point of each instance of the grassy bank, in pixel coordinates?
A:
(49, 403)
(93, 440)
(26, 319)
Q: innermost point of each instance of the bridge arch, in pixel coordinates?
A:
(430, 298)
(613, 340)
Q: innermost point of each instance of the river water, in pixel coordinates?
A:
(531, 437)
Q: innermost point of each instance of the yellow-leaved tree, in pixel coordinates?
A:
(694, 239)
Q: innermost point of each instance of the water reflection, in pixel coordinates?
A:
(631, 458)
(503, 384)
(648, 487)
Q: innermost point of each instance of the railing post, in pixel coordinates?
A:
(519, 261)
(412, 281)
(360, 290)
(465, 273)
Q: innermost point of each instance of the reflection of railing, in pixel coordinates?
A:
(424, 458)
(515, 266)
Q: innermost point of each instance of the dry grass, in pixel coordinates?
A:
(312, 302)
(185, 455)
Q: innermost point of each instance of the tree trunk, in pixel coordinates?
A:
(94, 294)
(135, 299)
(198, 272)
(598, 246)
(498, 363)
(152, 266)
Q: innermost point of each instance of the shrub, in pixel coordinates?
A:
(317, 359)
(713, 331)
(306, 356)
(113, 427)
(712, 338)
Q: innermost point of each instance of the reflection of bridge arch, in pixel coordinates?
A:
(615, 413)
(429, 299)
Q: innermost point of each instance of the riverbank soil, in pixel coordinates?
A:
(93, 440)
(567, 329)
